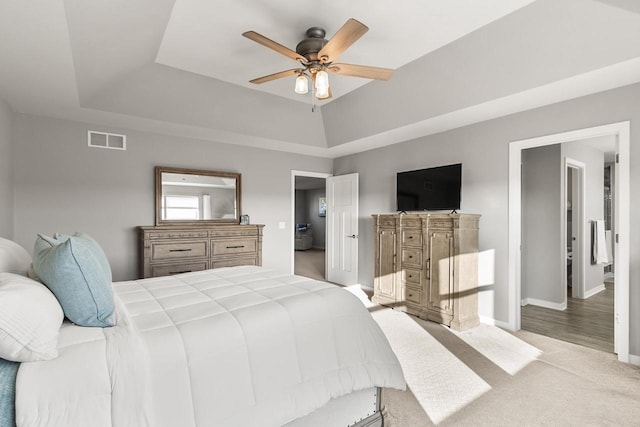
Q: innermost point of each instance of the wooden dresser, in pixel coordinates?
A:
(427, 265)
(173, 249)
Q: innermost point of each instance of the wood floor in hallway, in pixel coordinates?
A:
(587, 322)
(310, 263)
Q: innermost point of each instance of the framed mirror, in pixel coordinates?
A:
(193, 196)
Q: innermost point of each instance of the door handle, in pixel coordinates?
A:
(353, 236)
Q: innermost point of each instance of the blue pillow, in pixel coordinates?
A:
(76, 270)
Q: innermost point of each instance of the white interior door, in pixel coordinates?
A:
(342, 229)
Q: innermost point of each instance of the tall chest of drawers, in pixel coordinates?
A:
(174, 249)
(427, 265)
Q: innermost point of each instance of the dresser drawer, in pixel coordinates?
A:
(412, 257)
(412, 237)
(413, 295)
(169, 269)
(410, 276)
(178, 250)
(233, 262)
(386, 221)
(233, 246)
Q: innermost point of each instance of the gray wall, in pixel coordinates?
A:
(6, 171)
(307, 212)
(61, 185)
(593, 203)
(301, 207)
(317, 222)
(483, 149)
(542, 257)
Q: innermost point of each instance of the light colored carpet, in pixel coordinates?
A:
(490, 377)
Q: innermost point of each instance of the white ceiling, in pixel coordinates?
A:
(181, 67)
(204, 36)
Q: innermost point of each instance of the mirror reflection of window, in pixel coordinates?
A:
(215, 196)
(181, 207)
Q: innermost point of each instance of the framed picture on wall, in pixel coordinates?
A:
(322, 207)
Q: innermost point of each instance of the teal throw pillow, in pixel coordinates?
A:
(77, 271)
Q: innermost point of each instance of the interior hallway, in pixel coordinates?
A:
(587, 322)
(310, 263)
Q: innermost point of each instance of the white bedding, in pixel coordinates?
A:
(240, 346)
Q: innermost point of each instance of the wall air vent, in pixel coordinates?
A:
(107, 140)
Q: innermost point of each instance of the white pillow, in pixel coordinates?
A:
(30, 319)
(13, 257)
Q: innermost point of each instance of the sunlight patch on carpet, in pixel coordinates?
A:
(441, 383)
(508, 352)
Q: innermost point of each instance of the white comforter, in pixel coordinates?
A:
(241, 346)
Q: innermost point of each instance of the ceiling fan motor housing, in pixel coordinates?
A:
(314, 42)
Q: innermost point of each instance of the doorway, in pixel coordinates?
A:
(309, 224)
(620, 227)
(573, 209)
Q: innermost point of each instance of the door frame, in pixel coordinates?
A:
(292, 230)
(580, 170)
(622, 130)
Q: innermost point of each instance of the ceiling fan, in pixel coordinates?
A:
(317, 56)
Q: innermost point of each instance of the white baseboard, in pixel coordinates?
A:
(545, 304)
(592, 292)
(493, 322)
(634, 360)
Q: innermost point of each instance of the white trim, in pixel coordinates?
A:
(577, 291)
(292, 231)
(560, 306)
(486, 320)
(592, 292)
(622, 247)
(621, 258)
(634, 360)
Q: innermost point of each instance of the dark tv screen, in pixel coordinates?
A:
(429, 189)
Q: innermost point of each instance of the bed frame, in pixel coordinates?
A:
(357, 409)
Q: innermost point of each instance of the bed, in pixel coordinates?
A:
(237, 346)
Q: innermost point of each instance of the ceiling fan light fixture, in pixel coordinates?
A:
(322, 81)
(302, 85)
(322, 93)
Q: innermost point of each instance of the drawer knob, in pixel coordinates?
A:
(235, 247)
(179, 250)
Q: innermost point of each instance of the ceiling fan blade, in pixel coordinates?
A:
(283, 50)
(364, 71)
(275, 76)
(350, 32)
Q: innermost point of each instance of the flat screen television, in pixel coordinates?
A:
(429, 189)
